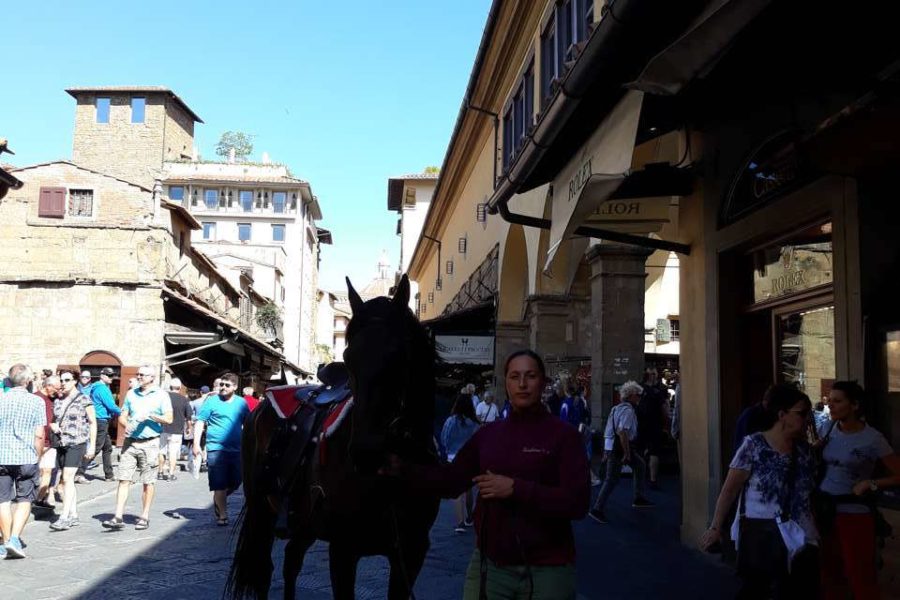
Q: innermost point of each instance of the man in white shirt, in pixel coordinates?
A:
(487, 411)
(621, 431)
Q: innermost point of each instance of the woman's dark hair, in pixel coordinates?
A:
(463, 408)
(854, 392)
(783, 397)
(529, 353)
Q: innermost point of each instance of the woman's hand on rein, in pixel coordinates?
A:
(491, 486)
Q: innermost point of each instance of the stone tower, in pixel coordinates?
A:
(129, 131)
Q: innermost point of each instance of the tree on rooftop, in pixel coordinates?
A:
(432, 170)
(238, 141)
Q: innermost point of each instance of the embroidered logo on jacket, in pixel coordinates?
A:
(528, 450)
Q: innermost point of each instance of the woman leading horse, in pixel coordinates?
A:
(338, 495)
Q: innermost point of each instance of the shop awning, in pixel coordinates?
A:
(699, 47)
(595, 173)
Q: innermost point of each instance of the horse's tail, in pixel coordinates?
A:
(251, 567)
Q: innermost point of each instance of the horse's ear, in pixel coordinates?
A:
(356, 303)
(401, 296)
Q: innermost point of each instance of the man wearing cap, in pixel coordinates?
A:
(106, 409)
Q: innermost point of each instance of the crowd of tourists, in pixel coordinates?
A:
(54, 425)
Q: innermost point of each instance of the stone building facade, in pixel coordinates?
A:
(129, 131)
(100, 264)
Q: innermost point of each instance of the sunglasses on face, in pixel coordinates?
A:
(66, 379)
(228, 385)
(145, 374)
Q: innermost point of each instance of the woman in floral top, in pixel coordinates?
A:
(76, 423)
(773, 473)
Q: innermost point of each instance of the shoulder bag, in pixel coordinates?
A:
(55, 436)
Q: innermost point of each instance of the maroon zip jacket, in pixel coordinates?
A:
(547, 459)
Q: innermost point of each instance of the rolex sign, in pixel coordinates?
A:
(469, 349)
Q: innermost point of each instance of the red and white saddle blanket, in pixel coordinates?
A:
(287, 400)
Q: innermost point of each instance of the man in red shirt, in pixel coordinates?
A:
(250, 399)
(49, 389)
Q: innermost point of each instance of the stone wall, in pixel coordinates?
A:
(132, 151)
(50, 324)
(116, 243)
(179, 133)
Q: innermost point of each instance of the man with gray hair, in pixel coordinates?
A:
(22, 421)
(173, 433)
(621, 432)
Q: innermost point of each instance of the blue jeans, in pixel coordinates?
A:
(614, 473)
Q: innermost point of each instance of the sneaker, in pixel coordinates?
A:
(598, 515)
(74, 522)
(114, 524)
(2, 552)
(14, 548)
(642, 503)
(161, 476)
(60, 524)
(460, 528)
(92, 465)
(172, 477)
(469, 522)
(79, 479)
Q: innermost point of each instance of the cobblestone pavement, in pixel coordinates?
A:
(637, 556)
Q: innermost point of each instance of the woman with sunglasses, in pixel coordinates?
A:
(76, 424)
(773, 474)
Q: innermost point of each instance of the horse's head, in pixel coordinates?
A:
(391, 364)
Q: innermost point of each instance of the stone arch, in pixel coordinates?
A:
(513, 287)
(100, 358)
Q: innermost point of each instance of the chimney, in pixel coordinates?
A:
(231, 155)
(265, 158)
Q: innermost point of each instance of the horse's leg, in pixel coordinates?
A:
(294, 553)
(342, 566)
(405, 568)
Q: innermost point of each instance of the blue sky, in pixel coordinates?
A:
(345, 93)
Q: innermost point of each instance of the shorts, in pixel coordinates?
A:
(48, 459)
(19, 483)
(224, 470)
(170, 444)
(70, 456)
(139, 457)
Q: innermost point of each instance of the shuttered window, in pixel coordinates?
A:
(52, 202)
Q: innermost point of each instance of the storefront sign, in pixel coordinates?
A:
(800, 264)
(595, 172)
(773, 168)
(468, 349)
(650, 211)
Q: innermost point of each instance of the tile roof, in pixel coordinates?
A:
(417, 176)
(77, 166)
(151, 89)
(237, 179)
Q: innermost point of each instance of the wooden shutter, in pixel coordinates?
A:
(52, 202)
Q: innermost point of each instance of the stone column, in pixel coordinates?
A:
(617, 306)
(554, 328)
(510, 336)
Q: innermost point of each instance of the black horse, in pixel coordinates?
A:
(338, 495)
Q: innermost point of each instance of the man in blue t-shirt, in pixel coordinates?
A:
(222, 417)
